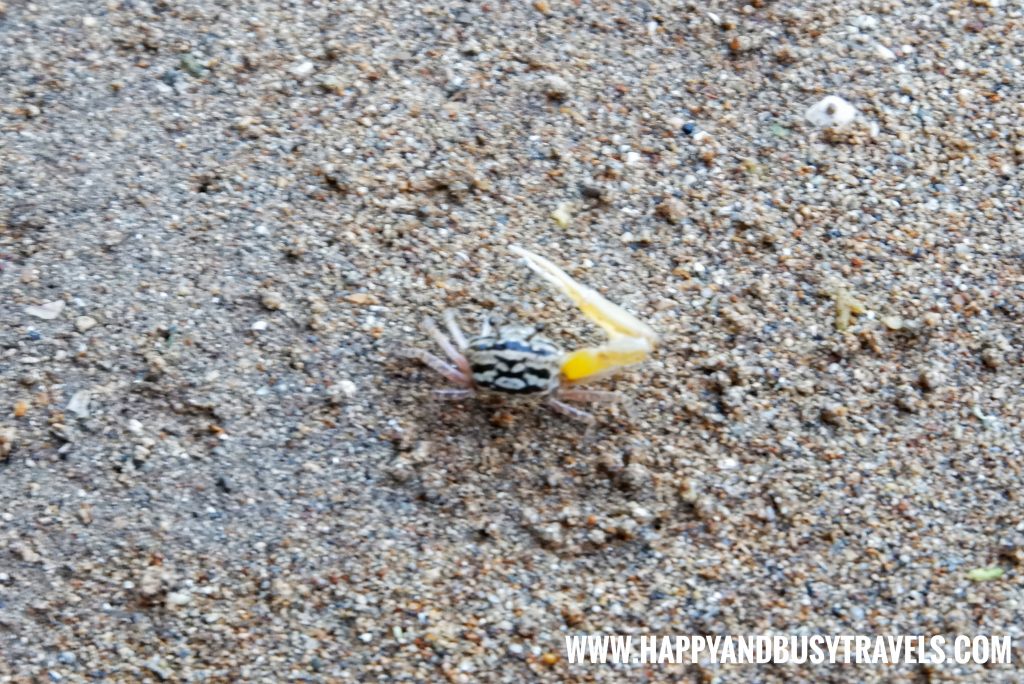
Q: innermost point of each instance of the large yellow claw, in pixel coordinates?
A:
(630, 340)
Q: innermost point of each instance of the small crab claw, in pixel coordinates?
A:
(630, 340)
(616, 321)
(591, 363)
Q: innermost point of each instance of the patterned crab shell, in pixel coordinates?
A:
(516, 360)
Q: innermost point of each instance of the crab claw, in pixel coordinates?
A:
(630, 340)
(615, 320)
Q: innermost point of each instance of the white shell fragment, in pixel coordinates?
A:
(884, 53)
(303, 69)
(48, 311)
(831, 111)
(79, 404)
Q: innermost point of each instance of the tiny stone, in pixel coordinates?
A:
(556, 87)
(992, 358)
(907, 399)
(595, 191)
(85, 514)
(176, 599)
(884, 53)
(79, 404)
(7, 439)
(865, 22)
(831, 111)
(634, 476)
(348, 388)
(562, 215)
(85, 323)
(929, 380)
(361, 298)
(640, 514)
(48, 311)
(303, 69)
(28, 554)
(892, 322)
(151, 581)
(259, 325)
(272, 301)
(549, 535)
(671, 210)
(834, 414)
(332, 84)
(739, 44)
(192, 66)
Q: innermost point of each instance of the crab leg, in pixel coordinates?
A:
(454, 375)
(576, 394)
(442, 341)
(571, 411)
(453, 394)
(454, 330)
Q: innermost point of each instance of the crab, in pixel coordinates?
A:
(517, 361)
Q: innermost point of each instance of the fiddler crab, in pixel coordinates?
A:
(517, 361)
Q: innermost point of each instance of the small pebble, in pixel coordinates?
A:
(549, 535)
(834, 414)
(884, 53)
(303, 69)
(929, 379)
(79, 404)
(671, 210)
(85, 323)
(8, 437)
(272, 301)
(907, 399)
(177, 599)
(556, 87)
(348, 388)
(992, 358)
(85, 514)
(48, 311)
(634, 477)
(562, 215)
(192, 66)
(892, 322)
(831, 111)
(31, 378)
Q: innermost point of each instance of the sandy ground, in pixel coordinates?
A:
(213, 468)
